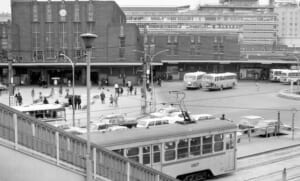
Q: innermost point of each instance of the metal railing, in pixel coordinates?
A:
(69, 151)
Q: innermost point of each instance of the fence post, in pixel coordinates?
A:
(95, 164)
(128, 171)
(57, 147)
(15, 119)
(284, 175)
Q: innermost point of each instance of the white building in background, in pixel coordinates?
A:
(289, 23)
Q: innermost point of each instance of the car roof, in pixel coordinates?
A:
(252, 117)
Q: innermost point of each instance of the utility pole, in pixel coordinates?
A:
(144, 88)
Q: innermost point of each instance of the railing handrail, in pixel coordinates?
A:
(82, 141)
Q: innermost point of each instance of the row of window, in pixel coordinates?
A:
(200, 18)
(52, 54)
(179, 149)
(227, 77)
(62, 13)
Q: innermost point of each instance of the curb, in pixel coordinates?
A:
(286, 94)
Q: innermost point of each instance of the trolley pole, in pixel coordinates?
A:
(10, 82)
(144, 89)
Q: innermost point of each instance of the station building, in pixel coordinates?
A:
(42, 30)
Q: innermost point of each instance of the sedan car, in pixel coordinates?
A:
(269, 127)
(250, 121)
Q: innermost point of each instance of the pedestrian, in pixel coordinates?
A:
(102, 97)
(111, 100)
(121, 90)
(56, 102)
(79, 102)
(135, 91)
(20, 98)
(17, 99)
(32, 94)
(45, 101)
(75, 102)
(40, 96)
(128, 91)
(131, 89)
(116, 100)
(116, 89)
(257, 86)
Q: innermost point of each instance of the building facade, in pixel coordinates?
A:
(233, 35)
(288, 24)
(42, 30)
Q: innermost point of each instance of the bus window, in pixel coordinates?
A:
(207, 144)
(151, 123)
(195, 146)
(170, 151)
(119, 151)
(229, 141)
(218, 138)
(156, 153)
(146, 155)
(158, 123)
(133, 153)
(182, 148)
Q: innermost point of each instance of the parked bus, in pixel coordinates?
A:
(199, 149)
(193, 79)
(44, 112)
(288, 76)
(219, 81)
(275, 74)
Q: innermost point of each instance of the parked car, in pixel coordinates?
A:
(200, 117)
(118, 119)
(149, 122)
(268, 127)
(3, 87)
(166, 111)
(249, 121)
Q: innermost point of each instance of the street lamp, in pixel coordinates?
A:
(88, 39)
(151, 57)
(73, 84)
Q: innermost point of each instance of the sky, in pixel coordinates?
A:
(5, 4)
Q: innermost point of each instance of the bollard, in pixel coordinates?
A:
(284, 175)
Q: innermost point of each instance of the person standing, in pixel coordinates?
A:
(79, 102)
(111, 100)
(60, 90)
(116, 89)
(32, 94)
(102, 97)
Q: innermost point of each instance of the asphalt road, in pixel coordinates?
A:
(246, 99)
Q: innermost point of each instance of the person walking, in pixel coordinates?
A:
(102, 97)
(116, 89)
(45, 101)
(116, 100)
(111, 100)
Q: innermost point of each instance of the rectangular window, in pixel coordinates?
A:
(48, 13)
(156, 153)
(50, 53)
(76, 13)
(182, 149)
(195, 146)
(38, 55)
(207, 144)
(133, 153)
(35, 13)
(63, 36)
(170, 153)
(229, 141)
(90, 12)
(119, 151)
(146, 155)
(77, 32)
(219, 142)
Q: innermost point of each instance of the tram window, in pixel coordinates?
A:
(146, 154)
(119, 151)
(219, 144)
(170, 151)
(229, 141)
(195, 147)
(182, 148)
(158, 123)
(133, 154)
(151, 123)
(207, 144)
(156, 153)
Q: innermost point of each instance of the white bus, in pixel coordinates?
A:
(275, 74)
(193, 79)
(288, 76)
(219, 81)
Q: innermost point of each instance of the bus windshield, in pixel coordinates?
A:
(189, 77)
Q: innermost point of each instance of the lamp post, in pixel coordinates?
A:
(151, 57)
(10, 82)
(73, 85)
(88, 39)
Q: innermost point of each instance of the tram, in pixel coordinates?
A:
(190, 152)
